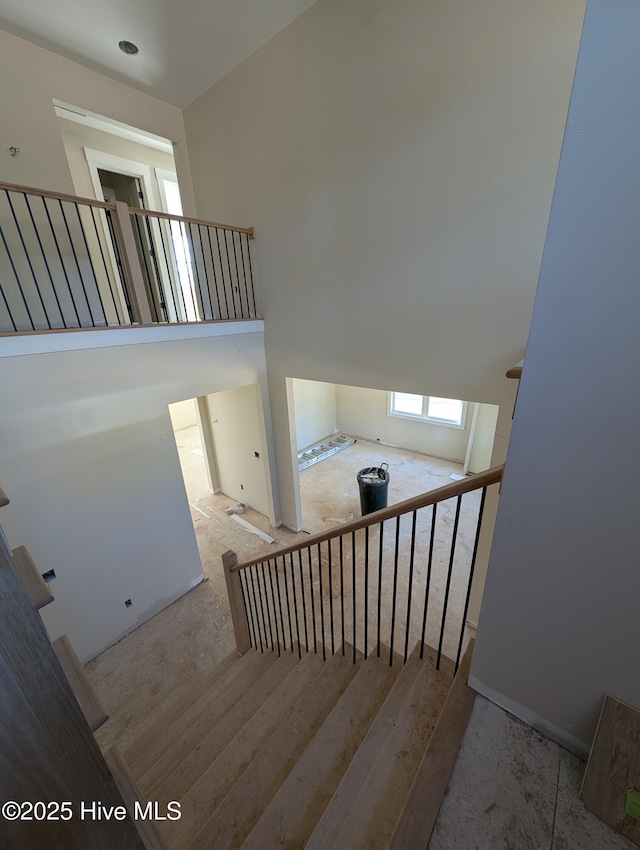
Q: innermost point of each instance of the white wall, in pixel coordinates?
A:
(183, 414)
(365, 413)
(237, 425)
(77, 137)
(315, 411)
(33, 77)
(559, 627)
(397, 161)
(89, 461)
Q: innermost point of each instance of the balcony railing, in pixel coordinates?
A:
(69, 262)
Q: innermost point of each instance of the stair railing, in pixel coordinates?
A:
(68, 262)
(401, 574)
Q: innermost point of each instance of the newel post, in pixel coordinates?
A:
(236, 602)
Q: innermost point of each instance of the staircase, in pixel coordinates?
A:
(289, 751)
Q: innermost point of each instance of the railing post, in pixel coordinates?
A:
(131, 267)
(236, 602)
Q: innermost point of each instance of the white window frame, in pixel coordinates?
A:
(424, 417)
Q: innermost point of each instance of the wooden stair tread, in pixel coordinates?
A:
(371, 796)
(167, 734)
(80, 684)
(418, 818)
(186, 733)
(37, 589)
(147, 829)
(201, 800)
(291, 816)
(211, 709)
(215, 739)
(134, 753)
(238, 812)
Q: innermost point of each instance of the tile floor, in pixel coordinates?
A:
(514, 789)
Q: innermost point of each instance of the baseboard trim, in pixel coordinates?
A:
(560, 736)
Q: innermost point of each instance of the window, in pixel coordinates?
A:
(440, 411)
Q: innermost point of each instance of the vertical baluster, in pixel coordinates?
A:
(324, 651)
(471, 571)
(366, 592)
(158, 277)
(233, 297)
(380, 553)
(266, 599)
(28, 258)
(244, 276)
(261, 627)
(104, 266)
(410, 590)
(353, 584)
(428, 583)
(15, 274)
(59, 252)
(395, 589)
(204, 266)
(333, 650)
(253, 288)
(446, 592)
(77, 263)
(44, 258)
(286, 593)
(235, 256)
(273, 600)
(248, 611)
(8, 309)
(91, 266)
(295, 604)
(215, 276)
(143, 253)
(161, 225)
(304, 603)
(313, 604)
(187, 265)
(224, 288)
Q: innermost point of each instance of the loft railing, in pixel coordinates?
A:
(394, 577)
(68, 262)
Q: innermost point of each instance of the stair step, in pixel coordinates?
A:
(201, 800)
(186, 732)
(238, 812)
(136, 753)
(36, 587)
(369, 800)
(147, 829)
(215, 737)
(80, 685)
(418, 818)
(291, 816)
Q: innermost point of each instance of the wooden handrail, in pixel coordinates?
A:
(515, 371)
(106, 205)
(157, 214)
(424, 500)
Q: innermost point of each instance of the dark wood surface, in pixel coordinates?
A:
(614, 767)
(47, 751)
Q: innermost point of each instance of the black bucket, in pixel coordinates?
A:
(373, 482)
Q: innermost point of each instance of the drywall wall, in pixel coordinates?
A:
(34, 77)
(397, 161)
(559, 627)
(77, 137)
(89, 461)
(365, 413)
(183, 414)
(237, 425)
(315, 411)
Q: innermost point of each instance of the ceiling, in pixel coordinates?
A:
(185, 45)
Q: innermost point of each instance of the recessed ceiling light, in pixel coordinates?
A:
(128, 47)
